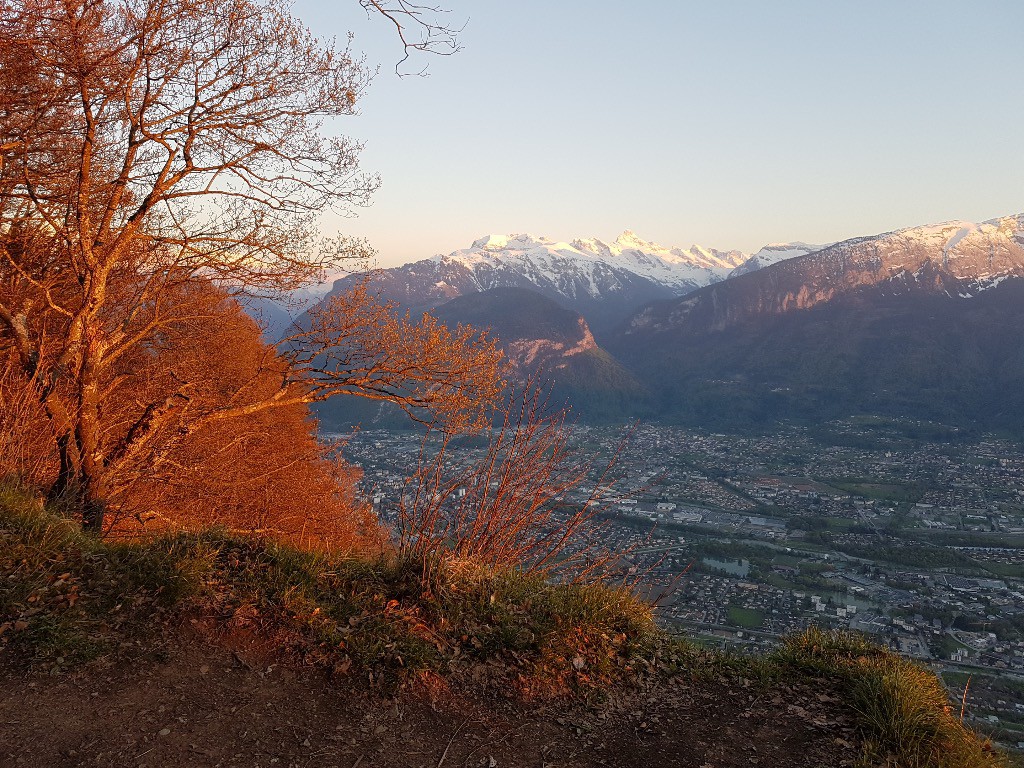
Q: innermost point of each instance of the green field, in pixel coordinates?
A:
(748, 618)
(959, 679)
(898, 492)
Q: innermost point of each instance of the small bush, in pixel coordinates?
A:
(375, 615)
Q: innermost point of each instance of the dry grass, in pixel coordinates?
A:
(367, 615)
(905, 714)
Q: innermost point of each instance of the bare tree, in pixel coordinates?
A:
(420, 27)
(147, 144)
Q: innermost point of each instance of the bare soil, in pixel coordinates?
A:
(197, 703)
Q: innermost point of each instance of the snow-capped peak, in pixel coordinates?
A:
(629, 239)
(676, 268)
(505, 242)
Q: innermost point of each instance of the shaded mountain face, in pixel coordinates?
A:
(540, 339)
(919, 356)
(534, 331)
(605, 282)
(921, 324)
(958, 259)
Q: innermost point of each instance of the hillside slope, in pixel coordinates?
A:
(541, 338)
(205, 650)
(916, 357)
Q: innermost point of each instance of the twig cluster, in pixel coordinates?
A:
(526, 502)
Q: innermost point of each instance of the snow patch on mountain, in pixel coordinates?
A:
(975, 252)
(773, 254)
(988, 282)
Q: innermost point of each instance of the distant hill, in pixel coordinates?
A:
(276, 314)
(539, 336)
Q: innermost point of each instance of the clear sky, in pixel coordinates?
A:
(728, 123)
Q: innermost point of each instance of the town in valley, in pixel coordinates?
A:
(906, 532)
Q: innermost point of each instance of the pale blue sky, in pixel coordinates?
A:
(726, 123)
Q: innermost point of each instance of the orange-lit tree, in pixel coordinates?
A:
(262, 473)
(151, 147)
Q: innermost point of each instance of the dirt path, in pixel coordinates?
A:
(205, 705)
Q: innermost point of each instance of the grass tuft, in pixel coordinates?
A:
(67, 597)
(903, 710)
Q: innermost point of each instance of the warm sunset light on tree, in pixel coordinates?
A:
(158, 158)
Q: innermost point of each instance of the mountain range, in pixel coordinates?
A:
(923, 323)
(605, 282)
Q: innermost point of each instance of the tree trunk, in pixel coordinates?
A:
(90, 450)
(92, 514)
(66, 471)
